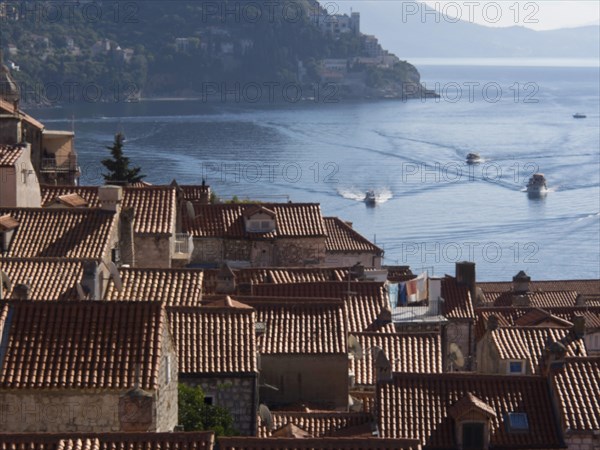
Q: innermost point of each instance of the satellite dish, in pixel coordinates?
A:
(355, 404)
(5, 279)
(265, 415)
(191, 212)
(81, 291)
(115, 275)
(456, 357)
(354, 347)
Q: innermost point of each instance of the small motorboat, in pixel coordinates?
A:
(370, 197)
(579, 116)
(473, 158)
(537, 184)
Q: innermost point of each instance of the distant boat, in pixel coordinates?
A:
(370, 198)
(537, 184)
(579, 116)
(473, 158)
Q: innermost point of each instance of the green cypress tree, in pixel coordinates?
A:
(119, 172)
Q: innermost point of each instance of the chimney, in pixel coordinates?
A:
(553, 357)
(91, 281)
(225, 280)
(126, 234)
(465, 276)
(21, 292)
(111, 198)
(492, 323)
(521, 283)
(435, 296)
(204, 193)
(520, 300)
(357, 271)
(578, 326)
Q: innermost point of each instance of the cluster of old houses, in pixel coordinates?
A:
(110, 296)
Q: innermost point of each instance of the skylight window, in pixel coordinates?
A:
(518, 422)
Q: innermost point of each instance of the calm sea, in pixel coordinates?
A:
(433, 209)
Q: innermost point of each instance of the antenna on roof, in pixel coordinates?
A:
(115, 275)
(354, 347)
(265, 415)
(455, 357)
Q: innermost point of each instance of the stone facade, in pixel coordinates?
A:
(153, 250)
(587, 441)
(338, 259)
(237, 393)
(316, 379)
(19, 185)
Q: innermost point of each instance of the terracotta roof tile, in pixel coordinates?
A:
(227, 221)
(48, 279)
(9, 155)
(181, 287)
(72, 200)
(108, 441)
(583, 287)
(414, 352)
(364, 304)
(417, 406)
(539, 299)
(9, 108)
(7, 223)
(81, 345)
(154, 206)
(457, 300)
(343, 238)
(300, 325)
(214, 341)
(65, 233)
(316, 423)
(250, 443)
(528, 343)
(195, 192)
(577, 385)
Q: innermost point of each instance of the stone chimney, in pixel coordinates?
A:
(465, 276)
(521, 300)
(91, 280)
(435, 296)
(111, 198)
(126, 235)
(226, 282)
(578, 326)
(553, 357)
(492, 323)
(521, 283)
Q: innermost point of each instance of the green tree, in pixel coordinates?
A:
(196, 415)
(119, 172)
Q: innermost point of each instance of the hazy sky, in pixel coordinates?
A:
(538, 15)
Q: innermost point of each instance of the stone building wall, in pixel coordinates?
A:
(152, 251)
(290, 252)
(166, 401)
(583, 441)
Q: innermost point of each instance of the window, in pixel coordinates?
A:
(265, 225)
(115, 255)
(473, 436)
(208, 400)
(516, 367)
(517, 422)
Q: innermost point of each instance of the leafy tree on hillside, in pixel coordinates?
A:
(196, 415)
(119, 172)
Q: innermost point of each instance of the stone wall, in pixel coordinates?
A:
(166, 401)
(299, 252)
(152, 251)
(207, 251)
(583, 441)
(338, 259)
(237, 394)
(317, 379)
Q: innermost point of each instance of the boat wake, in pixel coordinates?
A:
(382, 195)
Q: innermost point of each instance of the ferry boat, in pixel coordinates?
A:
(579, 116)
(473, 158)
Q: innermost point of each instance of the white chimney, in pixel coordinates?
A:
(435, 296)
(110, 198)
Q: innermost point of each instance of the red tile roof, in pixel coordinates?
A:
(528, 343)
(227, 221)
(577, 387)
(108, 441)
(545, 299)
(342, 238)
(7, 223)
(407, 352)
(48, 279)
(194, 192)
(364, 304)
(9, 155)
(214, 340)
(353, 443)
(417, 406)
(300, 325)
(583, 287)
(64, 233)
(317, 423)
(10, 109)
(81, 345)
(180, 287)
(457, 300)
(154, 206)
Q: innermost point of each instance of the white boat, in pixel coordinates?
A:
(370, 197)
(473, 158)
(537, 184)
(579, 116)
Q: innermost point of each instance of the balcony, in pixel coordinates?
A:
(60, 165)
